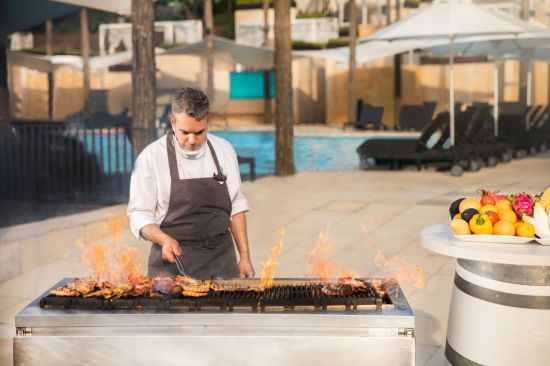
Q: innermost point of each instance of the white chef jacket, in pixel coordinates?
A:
(150, 182)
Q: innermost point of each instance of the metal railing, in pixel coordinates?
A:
(72, 162)
(56, 160)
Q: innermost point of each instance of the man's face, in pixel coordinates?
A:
(189, 132)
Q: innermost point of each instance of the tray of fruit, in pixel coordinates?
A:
(491, 217)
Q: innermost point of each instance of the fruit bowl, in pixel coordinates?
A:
(543, 241)
(494, 239)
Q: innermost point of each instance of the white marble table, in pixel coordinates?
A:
(500, 306)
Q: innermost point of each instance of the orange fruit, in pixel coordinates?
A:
(469, 203)
(460, 227)
(503, 205)
(518, 222)
(504, 227)
(525, 230)
(457, 216)
(508, 215)
(488, 208)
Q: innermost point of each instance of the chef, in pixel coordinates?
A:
(186, 197)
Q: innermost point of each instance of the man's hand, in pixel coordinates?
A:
(170, 247)
(246, 269)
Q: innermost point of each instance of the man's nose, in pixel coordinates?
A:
(192, 139)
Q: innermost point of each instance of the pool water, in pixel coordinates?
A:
(321, 153)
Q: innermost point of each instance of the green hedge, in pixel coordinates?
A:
(58, 51)
(343, 31)
(172, 45)
(251, 4)
(255, 4)
(332, 43)
(302, 45)
(311, 14)
(338, 42)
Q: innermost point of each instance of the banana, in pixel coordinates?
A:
(540, 215)
(540, 220)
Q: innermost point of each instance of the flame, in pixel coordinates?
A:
(128, 264)
(115, 225)
(96, 256)
(271, 265)
(106, 265)
(321, 266)
(399, 268)
(108, 262)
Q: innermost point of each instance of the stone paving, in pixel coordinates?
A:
(363, 212)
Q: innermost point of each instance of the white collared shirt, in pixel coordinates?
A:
(150, 182)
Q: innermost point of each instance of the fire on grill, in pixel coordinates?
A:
(144, 286)
(117, 279)
(224, 295)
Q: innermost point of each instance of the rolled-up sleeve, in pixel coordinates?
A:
(143, 194)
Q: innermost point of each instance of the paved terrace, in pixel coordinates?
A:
(363, 211)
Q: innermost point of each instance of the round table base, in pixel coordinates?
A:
(499, 315)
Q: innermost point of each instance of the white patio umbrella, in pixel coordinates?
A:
(522, 46)
(123, 7)
(451, 20)
(370, 51)
(231, 52)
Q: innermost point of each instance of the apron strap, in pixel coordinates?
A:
(172, 162)
(219, 176)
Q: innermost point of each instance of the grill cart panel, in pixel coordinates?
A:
(290, 324)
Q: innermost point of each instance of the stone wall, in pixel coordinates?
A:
(25, 247)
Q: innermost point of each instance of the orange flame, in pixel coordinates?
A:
(108, 262)
(271, 265)
(96, 256)
(321, 266)
(116, 224)
(127, 264)
(399, 268)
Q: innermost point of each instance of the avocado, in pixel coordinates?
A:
(468, 214)
(453, 210)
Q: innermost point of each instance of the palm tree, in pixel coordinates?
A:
(267, 86)
(143, 73)
(284, 134)
(352, 97)
(209, 33)
(4, 96)
(85, 47)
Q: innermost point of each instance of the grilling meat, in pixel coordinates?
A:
(105, 292)
(234, 286)
(166, 285)
(83, 286)
(192, 287)
(143, 286)
(344, 287)
(64, 291)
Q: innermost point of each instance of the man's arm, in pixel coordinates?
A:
(238, 230)
(170, 246)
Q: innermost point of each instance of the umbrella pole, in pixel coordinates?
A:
(496, 96)
(529, 82)
(452, 90)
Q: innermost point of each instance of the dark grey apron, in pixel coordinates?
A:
(198, 217)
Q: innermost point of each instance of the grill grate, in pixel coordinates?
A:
(292, 297)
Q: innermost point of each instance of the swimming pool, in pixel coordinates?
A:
(321, 153)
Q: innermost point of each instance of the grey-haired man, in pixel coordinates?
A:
(186, 198)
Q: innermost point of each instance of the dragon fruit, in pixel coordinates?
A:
(522, 203)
